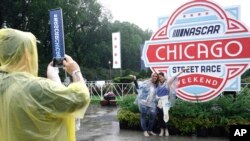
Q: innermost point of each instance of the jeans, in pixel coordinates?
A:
(147, 117)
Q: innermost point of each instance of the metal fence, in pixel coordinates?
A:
(97, 91)
(245, 85)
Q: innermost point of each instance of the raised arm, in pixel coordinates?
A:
(135, 81)
(172, 79)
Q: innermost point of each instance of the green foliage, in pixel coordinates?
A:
(129, 112)
(246, 74)
(144, 73)
(188, 117)
(127, 72)
(245, 79)
(87, 32)
(128, 103)
(125, 79)
(132, 37)
(220, 112)
(95, 102)
(132, 119)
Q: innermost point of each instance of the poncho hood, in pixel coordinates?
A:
(18, 51)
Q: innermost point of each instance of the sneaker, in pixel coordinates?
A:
(166, 133)
(152, 133)
(145, 133)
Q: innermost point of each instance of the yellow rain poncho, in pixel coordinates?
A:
(34, 108)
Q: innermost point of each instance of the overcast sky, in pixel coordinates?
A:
(145, 13)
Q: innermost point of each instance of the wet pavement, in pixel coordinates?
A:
(100, 124)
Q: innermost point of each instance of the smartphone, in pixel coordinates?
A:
(58, 62)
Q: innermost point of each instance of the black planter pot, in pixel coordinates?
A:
(173, 131)
(202, 132)
(218, 132)
(124, 125)
(104, 102)
(112, 102)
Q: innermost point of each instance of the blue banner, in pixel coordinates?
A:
(57, 36)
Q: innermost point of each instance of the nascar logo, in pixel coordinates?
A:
(207, 39)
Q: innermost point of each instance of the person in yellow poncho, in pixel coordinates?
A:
(33, 108)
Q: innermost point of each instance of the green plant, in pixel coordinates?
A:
(95, 102)
(188, 118)
(128, 103)
(124, 79)
(132, 119)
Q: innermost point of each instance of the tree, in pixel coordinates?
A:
(87, 32)
(132, 37)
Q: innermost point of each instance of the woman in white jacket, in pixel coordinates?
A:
(146, 101)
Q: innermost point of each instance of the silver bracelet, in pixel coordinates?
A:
(76, 71)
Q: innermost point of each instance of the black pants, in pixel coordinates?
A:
(160, 115)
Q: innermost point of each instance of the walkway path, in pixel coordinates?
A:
(100, 124)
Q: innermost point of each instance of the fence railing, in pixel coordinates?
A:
(119, 89)
(245, 85)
